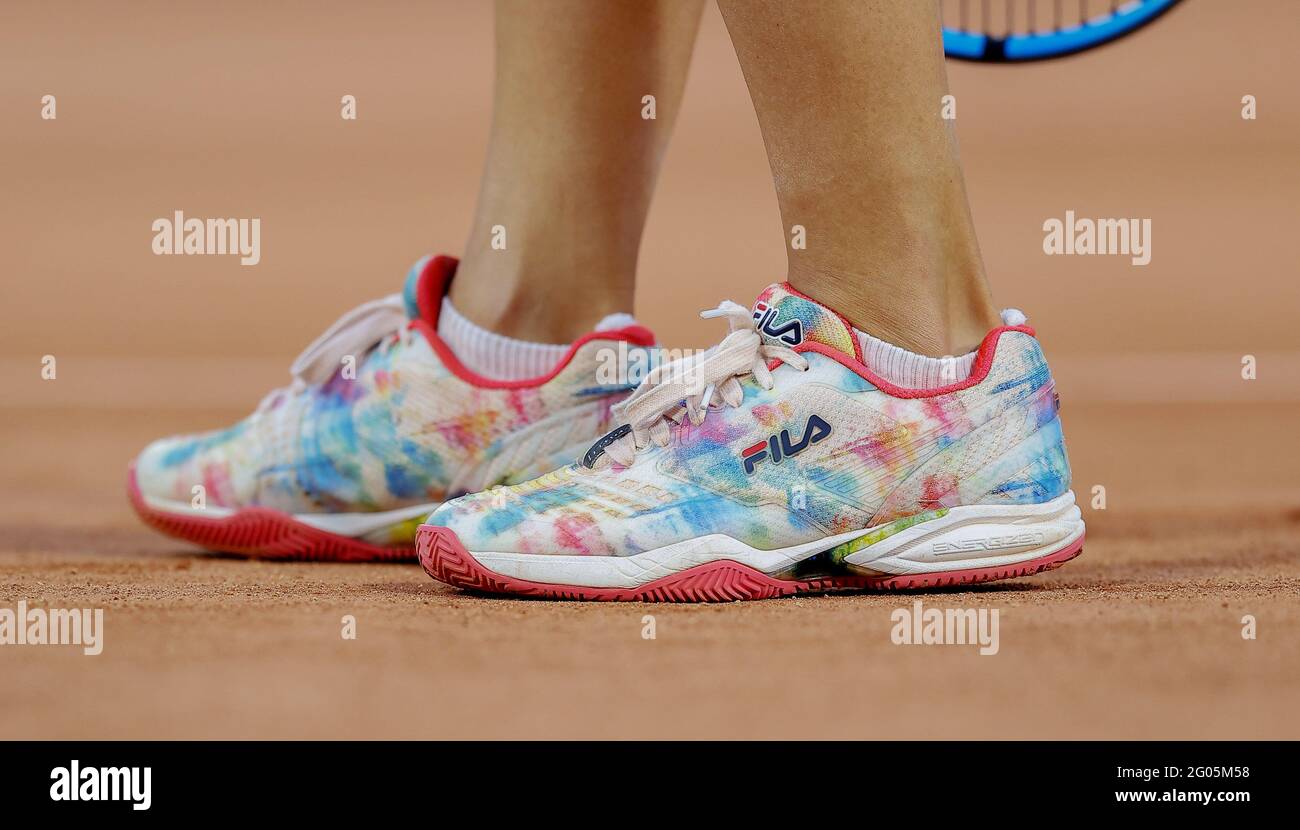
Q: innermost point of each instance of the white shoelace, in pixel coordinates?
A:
(686, 388)
(381, 321)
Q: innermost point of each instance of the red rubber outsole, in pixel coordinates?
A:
(445, 559)
(262, 533)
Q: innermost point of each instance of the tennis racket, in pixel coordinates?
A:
(1015, 31)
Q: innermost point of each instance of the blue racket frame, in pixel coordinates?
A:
(1019, 48)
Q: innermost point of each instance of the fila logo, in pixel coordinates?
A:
(780, 446)
(990, 543)
(791, 333)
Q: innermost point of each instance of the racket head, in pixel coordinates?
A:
(982, 44)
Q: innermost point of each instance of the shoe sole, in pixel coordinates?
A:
(444, 558)
(263, 533)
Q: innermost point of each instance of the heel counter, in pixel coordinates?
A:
(1041, 469)
(1036, 469)
(1012, 450)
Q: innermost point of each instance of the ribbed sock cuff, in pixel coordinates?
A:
(504, 358)
(493, 355)
(909, 369)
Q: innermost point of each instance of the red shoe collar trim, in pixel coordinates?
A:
(430, 290)
(979, 371)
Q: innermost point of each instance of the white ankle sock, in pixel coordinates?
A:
(915, 371)
(505, 358)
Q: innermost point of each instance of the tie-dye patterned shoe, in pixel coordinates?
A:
(778, 463)
(381, 424)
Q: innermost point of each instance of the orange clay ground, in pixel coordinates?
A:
(1140, 637)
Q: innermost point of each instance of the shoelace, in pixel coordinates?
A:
(381, 321)
(686, 388)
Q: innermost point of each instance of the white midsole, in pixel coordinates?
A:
(969, 536)
(632, 571)
(343, 524)
(976, 536)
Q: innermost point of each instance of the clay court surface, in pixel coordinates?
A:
(1141, 637)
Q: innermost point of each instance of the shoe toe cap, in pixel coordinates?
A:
(470, 518)
(172, 468)
(161, 471)
(502, 521)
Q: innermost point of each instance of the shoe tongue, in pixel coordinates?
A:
(787, 318)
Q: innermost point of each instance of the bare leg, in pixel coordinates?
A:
(571, 161)
(848, 98)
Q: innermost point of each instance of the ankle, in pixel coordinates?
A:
(536, 302)
(924, 316)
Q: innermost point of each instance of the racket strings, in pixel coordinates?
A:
(1003, 18)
